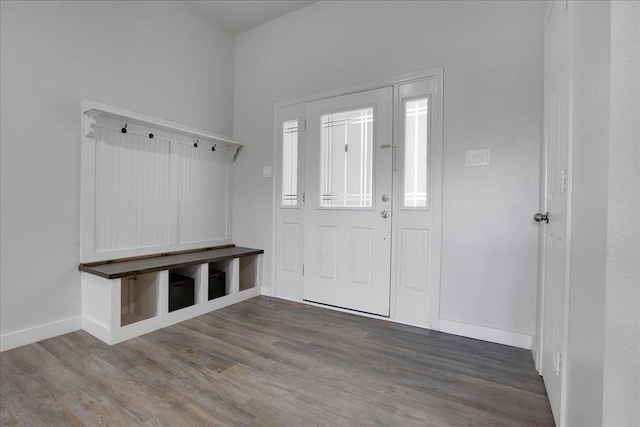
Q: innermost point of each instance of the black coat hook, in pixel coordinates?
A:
(213, 148)
(150, 136)
(124, 129)
(195, 144)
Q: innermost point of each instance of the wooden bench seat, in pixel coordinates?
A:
(119, 269)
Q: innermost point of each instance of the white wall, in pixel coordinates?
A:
(589, 218)
(492, 59)
(621, 377)
(603, 360)
(158, 58)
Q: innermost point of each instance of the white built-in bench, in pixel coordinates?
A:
(123, 299)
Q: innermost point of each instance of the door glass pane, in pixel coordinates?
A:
(290, 163)
(415, 152)
(346, 149)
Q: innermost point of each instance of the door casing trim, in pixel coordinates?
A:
(438, 135)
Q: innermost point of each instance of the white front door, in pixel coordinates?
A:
(557, 141)
(347, 237)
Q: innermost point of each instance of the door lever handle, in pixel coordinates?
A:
(539, 217)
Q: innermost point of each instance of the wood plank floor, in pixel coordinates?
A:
(272, 362)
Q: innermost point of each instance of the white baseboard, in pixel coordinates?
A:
(96, 329)
(39, 333)
(515, 339)
(535, 350)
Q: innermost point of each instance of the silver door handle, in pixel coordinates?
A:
(385, 197)
(384, 214)
(539, 217)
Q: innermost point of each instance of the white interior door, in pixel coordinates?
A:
(557, 133)
(347, 236)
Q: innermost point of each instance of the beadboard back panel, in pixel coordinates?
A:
(150, 190)
(132, 191)
(202, 196)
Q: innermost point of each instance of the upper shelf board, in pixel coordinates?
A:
(93, 109)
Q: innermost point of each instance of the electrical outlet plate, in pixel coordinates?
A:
(478, 157)
(266, 171)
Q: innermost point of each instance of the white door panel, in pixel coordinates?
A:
(557, 143)
(289, 238)
(347, 240)
(413, 259)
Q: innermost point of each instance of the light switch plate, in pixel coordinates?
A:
(266, 171)
(478, 157)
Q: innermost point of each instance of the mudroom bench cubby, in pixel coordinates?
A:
(123, 299)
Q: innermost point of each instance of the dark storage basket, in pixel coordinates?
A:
(216, 284)
(181, 291)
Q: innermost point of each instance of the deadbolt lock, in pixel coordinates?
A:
(385, 197)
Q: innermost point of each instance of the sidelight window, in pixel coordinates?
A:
(290, 163)
(416, 161)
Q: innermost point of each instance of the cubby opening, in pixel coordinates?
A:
(248, 272)
(192, 271)
(139, 298)
(181, 292)
(225, 266)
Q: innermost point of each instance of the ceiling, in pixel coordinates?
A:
(241, 15)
